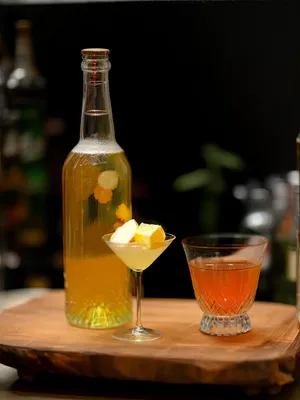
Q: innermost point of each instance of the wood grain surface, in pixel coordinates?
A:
(35, 338)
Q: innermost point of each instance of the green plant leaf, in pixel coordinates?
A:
(193, 180)
(230, 161)
(216, 157)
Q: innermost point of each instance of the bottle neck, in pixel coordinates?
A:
(96, 117)
(5, 61)
(24, 54)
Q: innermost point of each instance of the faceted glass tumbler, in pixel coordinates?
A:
(225, 270)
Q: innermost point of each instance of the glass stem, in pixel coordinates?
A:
(138, 279)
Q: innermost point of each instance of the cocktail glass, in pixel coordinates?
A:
(138, 257)
(225, 270)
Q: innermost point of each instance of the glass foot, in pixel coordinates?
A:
(225, 326)
(137, 335)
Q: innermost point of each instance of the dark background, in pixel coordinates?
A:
(183, 74)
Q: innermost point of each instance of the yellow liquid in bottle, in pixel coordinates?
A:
(97, 282)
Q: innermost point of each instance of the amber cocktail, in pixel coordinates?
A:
(225, 272)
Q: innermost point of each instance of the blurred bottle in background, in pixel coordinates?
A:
(283, 285)
(286, 289)
(298, 234)
(3, 118)
(259, 219)
(25, 146)
(279, 190)
(270, 210)
(10, 181)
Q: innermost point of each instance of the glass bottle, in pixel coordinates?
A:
(298, 235)
(26, 94)
(10, 179)
(291, 269)
(3, 125)
(96, 200)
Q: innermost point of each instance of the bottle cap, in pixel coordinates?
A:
(95, 52)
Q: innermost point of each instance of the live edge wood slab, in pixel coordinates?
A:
(35, 338)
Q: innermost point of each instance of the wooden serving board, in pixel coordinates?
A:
(35, 338)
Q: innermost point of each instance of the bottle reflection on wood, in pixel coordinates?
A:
(96, 200)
